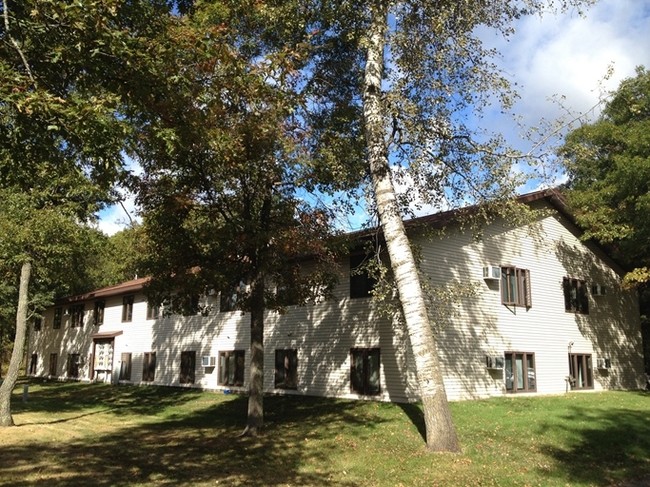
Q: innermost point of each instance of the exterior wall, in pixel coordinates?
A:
(481, 325)
(324, 333)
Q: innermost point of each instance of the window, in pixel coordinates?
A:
(153, 311)
(228, 300)
(98, 313)
(580, 371)
(76, 315)
(32, 364)
(58, 313)
(515, 287)
(287, 295)
(53, 365)
(286, 369)
(149, 367)
(361, 284)
(38, 323)
(127, 308)
(520, 372)
(125, 367)
(576, 299)
(231, 368)
(73, 365)
(364, 371)
(188, 364)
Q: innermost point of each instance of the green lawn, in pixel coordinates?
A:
(80, 434)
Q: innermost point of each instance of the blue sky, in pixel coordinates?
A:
(565, 57)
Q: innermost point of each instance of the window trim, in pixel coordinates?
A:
(98, 312)
(153, 312)
(127, 308)
(53, 368)
(73, 365)
(361, 283)
(77, 312)
(288, 367)
(58, 318)
(188, 367)
(33, 364)
(578, 303)
(526, 376)
(366, 387)
(522, 287)
(238, 375)
(148, 366)
(586, 361)
(125, 370)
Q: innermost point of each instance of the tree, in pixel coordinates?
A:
(608, 163)
(222, 167)
(39, 253)
(423, 69)
(63, 96)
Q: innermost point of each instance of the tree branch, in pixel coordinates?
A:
(5, 10)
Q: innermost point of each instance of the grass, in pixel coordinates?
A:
(100, 435)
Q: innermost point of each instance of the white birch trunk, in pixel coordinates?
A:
(9, 383)
(440, 431)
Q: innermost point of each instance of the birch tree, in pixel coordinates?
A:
(424, 74)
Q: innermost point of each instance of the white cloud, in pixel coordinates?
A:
(568, 55)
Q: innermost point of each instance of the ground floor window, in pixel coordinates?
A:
(231, 368)
(73, 365)
(188, 366)
(53, 364)
(125, 366)
(520, 372)
(286, 369)
(581, 371)
(364, 371)
(32, 364)
(149, 367)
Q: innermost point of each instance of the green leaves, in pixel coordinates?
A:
(609, 167)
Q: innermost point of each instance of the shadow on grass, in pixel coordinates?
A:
(605, 445)
(192, 447)
(69, 397)
(415, 414)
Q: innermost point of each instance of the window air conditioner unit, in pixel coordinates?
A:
(603, 363)
(492, 273)
(494, 361)
(208, 361)
(597, 290)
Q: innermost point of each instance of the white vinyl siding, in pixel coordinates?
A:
(323, 334)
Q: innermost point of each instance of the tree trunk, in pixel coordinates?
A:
(440, 431)
(255, 419)
(9, 383)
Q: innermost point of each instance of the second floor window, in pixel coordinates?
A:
(58, 314)
(98, 313)
(153, 311)
(361, 283)
(576, 298)
(127, 308)
(515, 287)
(76, 315)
